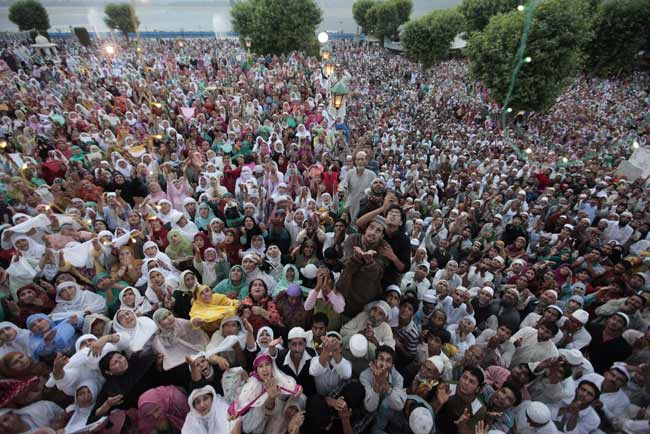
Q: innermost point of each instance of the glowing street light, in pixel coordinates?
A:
(325, 52)
(323, 37)
(109, 49)
(248, 42)
(339, 91)
(328, 69)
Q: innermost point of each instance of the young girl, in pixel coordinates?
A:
(131, 299)
(259, 308)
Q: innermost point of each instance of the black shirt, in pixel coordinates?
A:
(401, 246)
(303, 378)
(603, 354)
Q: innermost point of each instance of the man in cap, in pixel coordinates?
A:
(614, 401)
(620, 230)
(534, 344)
(385, 392)
(372, 323)
(457, 305)
(505, 308)
(330, 368)
(295, 361)
(497, 345)
(577, 415)
(364, 266)
(428, 377)
(416, 281)
(355, 183)
(534, 417)
(609, 336)
(481, 304)
(575, 336)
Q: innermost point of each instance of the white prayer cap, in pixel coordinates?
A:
(573, 356)
(538, 412)
(438, 362)
(359, 346)
(619, 366)
(421, 421)
(581, 315)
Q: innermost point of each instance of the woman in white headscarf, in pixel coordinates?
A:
(131, 299)
(139, 329)
(84, 401)
(152, 251)
(124, 167)
(36, 415)
(187, 228)
(72, 300)
(208, 414)
(165, 211)
(13, 338)
(176, 339)
(215, 231)
(246, 177)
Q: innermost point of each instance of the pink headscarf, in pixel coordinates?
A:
(172, 403)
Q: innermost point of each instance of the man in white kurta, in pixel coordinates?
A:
(534, 345)
(355, 183)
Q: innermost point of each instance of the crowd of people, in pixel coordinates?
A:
(197, 240)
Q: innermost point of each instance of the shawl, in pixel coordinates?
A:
(178, 342)
(214, 421)
(38, 414)
(79, 254)
(203, 223)
(253, 394)
(227, 285)
(141, 305)
(140, 334)
(218, 308)
(34, 249)
(63, 342)
(284, 283)
(182, 248)
(79, 420)
(20, 343)
(216, 238)
(158, 256)
(150, 293)
(89, 320)
(171, 402)
(83, 301)
(220, 343)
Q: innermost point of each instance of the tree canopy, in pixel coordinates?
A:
(120, 16)
(559, 33)
(427, 39)
(28, 15)
(277, 26)
(384, 17)
(477, 13)
(359, 10)
(621, 31)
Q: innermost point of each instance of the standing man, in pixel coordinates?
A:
(296, 360)
(355, 183)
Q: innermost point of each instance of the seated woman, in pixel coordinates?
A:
(258, 308)
(183, 295)
(131, 299)
(126, 380)
(162, 410)
(261, 394)
(50, 337)
(291, 308)
(78, 413)
(159, 291)
(235, 286)
(327, 299)
(264, 343)
(289, 276)
(72, 300)
(139, 330)
(179, 249)
(41, 414)
(250, 264)
(230, 341)
(209, 414)
(174, 340)
(212, 265)
(128, 268)
(110, 290)
(13, 338)
(209, 308)
(32, 299)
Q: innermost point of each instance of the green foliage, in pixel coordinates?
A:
(359, 10)
(277, 26)
(82, 34)
(559, 33)
(120, 16)
(478, 12)
(427, 39)
(622, 30)
(384, 18)
(28, 15)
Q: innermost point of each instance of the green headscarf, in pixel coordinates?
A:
(227, 285)
(182, 248)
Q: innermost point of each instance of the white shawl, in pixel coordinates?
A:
(141, 306)
(214, 422)
(144, 329)
(20, 342)
(82, 302)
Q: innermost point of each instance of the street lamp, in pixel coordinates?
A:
(338, 92)
(325, 52)
(248, 43)
(328, 69)
(323, 37)
(109, 49)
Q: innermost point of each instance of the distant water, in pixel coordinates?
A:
(337, 15)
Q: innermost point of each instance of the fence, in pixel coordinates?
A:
(161, 34)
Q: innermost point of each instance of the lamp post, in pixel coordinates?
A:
(325, 52)
(338, 93)
(248, 43)
(328, 69)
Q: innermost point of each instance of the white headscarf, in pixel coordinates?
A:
(20, 342)
(139, 335)
(214, 422)
(79, 420)
(141, 305)
(82, 302)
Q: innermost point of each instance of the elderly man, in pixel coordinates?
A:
(295, 361)
(574, 334)
(534, 344)
(373, 324)
(355, 183)
(360, 280)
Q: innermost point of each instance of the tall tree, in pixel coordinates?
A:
(385, 17)
(559, 32)
(427, 39)
(28, 15)
(121, 16)
(277, 26)
(478, 12)
(622, 30)
(359, 10)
